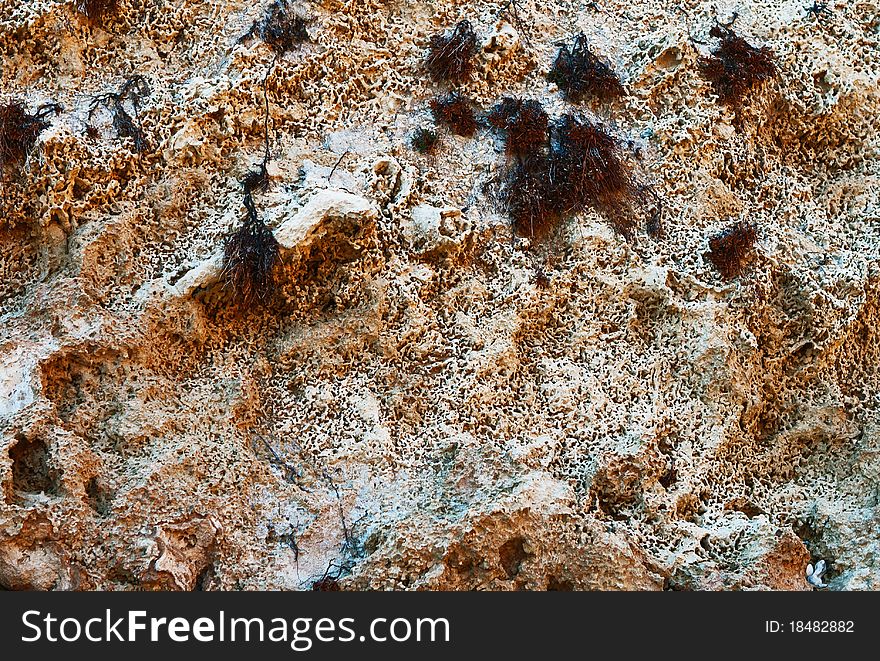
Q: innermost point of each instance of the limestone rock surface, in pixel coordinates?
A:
(428, 401)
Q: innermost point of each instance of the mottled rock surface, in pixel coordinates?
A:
(429, 402)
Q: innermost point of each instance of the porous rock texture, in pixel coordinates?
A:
(430, 402)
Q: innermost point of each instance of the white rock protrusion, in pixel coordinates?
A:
(293, 234)
(15, 387)
(204, 274)
(435, 230)
(323, 206)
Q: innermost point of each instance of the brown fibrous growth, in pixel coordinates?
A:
(281, 28)
(729, 251)
(581, 168)
(736, 67)
(456, 112)
(97, 10)
(450, 56)
(578, 72)
(19, 130)
(531, 197)
(326, 584)
(591, 163)
(251, 252)
(525, 125)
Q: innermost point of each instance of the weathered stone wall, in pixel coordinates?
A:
(429, 401)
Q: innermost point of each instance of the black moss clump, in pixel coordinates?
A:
(424, 140)
(19, 131)
(525, 125)
(579, 73)
(450, 56)
(729, 251)
(456, 112)
(281, 28)
(736, 67)
(252, 252)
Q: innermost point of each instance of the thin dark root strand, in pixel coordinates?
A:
(338, 162)
(511, 7)
(132, 91)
